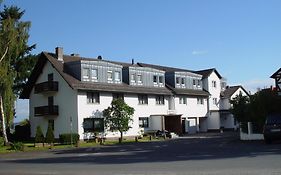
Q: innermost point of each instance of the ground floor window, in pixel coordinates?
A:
(143, 122)
(93, 125)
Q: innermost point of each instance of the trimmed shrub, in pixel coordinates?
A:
(50, 138)
(17, 146)
(39, 137)
(66, 138)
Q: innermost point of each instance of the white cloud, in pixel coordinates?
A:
(253, 85)
(199, 52)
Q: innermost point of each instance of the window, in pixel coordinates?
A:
(94, 74)
(143, 122)
(118, 95)
(215, 101)
(86, 73)
(52, 124)
(133, 78)
(161, 79)
(117, 76)
(143, 99)
(109, 75)
(183, 100)
(139, 78)
(194, 82)
(214, 84)
(160, 100)
(177, 80)
(199, 83)
(154, 79)
(93, 97)
(93, 124)
(183, 81)
(51, 101)
(50, 77)
(200, 101)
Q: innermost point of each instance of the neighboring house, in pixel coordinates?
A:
(277, 77)
(227, 120)
(70, 92)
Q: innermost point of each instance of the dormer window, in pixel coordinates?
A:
(133, 78)
(139, 78)
(94, 74)
(117, 76)
(177, 80)
(183, 81)
(161, 79)
(198, 83)
(194, 82)
(155, 79)
(86, 73)
(109, 75)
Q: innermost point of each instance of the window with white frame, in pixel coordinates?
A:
(143, 122)
(160, 100)
(154, 79)
(198, 83)
(161, 79)
(133, 78)
(143, 99)
(183, 81)
(117, 76)
(93, 97)
(182, 100)
(94, 74)
(177, 80)
(86, 73)
(109, 75)
(118, 96)
(200, 101)
(93, 124)
(214, 84)
(139, 78)
(194, 82)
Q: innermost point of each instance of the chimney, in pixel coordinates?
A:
(133, 61)
(75, 55)
(99, 57)
(59, 53)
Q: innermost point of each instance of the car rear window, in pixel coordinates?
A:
(273, 120)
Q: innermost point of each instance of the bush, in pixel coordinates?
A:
(22, 131)
(50, 138)
(39, 137)
(17, 146)
(66, 138)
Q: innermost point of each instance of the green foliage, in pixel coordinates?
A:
(256, 108)
(17, 146)
(22, 131)
(50, 138)
(39, 137)
(118, 116)
(1, 141)
(66, 138)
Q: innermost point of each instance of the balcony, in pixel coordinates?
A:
(48, 86)
(46, 110)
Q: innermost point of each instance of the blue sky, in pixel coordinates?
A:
(241, 38)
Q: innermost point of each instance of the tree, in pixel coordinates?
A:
(16, 61)
(239, 107)
(39, 137)
(50, 138)
(117, 117)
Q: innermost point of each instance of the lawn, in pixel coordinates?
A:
(28, 146)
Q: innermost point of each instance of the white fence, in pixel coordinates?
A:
(248, 134)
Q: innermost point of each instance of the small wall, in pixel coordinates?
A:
(249, 135)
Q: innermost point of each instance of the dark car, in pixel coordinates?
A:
(272, 128)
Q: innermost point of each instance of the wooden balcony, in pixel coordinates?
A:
(48, 86)
(46, 110)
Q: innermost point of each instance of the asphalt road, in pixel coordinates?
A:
(211, 154)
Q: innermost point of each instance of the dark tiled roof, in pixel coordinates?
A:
(229, 91)
(276, 74)
(76, 84)
(205, 73)
(164, 68)
(189, 92)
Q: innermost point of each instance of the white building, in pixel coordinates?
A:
(277, 77)
(70, 92)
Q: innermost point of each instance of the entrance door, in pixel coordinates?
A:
(173, 123)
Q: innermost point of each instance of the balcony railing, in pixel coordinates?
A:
(46, 110)
(48, 86)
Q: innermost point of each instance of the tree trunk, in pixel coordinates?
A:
(121, 137)
(6, 142)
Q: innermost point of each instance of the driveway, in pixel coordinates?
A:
(210, 153)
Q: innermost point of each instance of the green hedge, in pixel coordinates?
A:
(66, 138)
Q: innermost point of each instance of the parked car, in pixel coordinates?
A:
(163, 133)
(272, 128)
